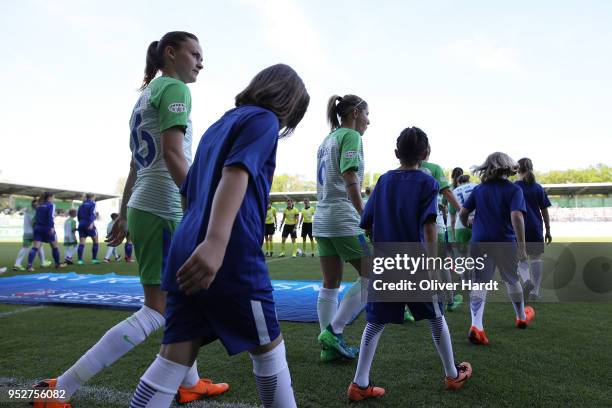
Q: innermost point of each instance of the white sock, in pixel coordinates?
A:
(327, 306)
(41, 254)
(445, 276)
(192, 377)
(478, 298)
(515, 292)
(158, 385)
(68, 252)
(442, 340)
(351, 304)
(523, 270)
(109, 252)
(20, 255)
(536, 267)
(273, 379)
(369, 342)
(114, 344)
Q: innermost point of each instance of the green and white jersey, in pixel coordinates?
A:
(462, 192)
(28, 223)
(335, 215)
(438, 173)
(165, 103)
(70, 227)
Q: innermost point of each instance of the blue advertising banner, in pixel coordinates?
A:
(295, 300)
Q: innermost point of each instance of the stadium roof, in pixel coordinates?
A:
(7, 188)
(569, 189)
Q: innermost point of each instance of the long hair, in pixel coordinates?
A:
(155, 53)
(526, 168)
(496, 166)
(341, 107)
(280, 89)
(44, 197)
(457, 171)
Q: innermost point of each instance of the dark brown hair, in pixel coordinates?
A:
(411, 146)
(44, 197)
(464, 178)
(72, 212)
(526, 167)
(341, 107)
(280, 89)
(455, 174)
(155, 53)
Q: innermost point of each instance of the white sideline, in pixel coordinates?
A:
(24, 310)
(103, 395)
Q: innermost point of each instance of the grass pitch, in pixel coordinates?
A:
(562, 359)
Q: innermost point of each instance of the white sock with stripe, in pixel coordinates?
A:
(273, 378)
(327, 306)
(478, 298)
(369, 342)
(351, 304)
(159, 384)
(444, 345)
(515, 293)
(20, 255)
(536, 267)
(114, 344)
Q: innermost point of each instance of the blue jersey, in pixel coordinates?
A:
(536, 199)
(399, 206)
(86, 213)
(247, 137)
(493, 202)
(44, 216)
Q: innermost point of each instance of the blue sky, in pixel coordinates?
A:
(528, 78)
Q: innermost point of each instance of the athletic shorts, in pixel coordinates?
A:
(307, 229)
(151, 236)
(503, 257)
(393, 312)
(28, 239)
(463, 235)
(85, 233)
(42, 234)
(270, 229)
(241, 323)
(534, 248)
(289, 230)
(347, 248)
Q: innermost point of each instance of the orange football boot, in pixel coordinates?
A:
(204, 388)
(464, 372)
(356, 393)
(478, 336)
(48, 386)
(529, 315)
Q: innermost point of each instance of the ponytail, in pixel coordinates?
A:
(152, 65)
(526, 168)
(155, 56)
(340, 110)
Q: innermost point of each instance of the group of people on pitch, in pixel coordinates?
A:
(197, 227)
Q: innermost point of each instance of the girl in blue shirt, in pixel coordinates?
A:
(537, 204)
(216, 276)
(44, 230)
(498, 236)
(403, 208)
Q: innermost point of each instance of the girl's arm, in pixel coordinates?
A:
(518, 224)
(353, 189)
(200, 269)
(430, 235)
(450, 196)
(172, 151)
(119, 231)
(464, 215)
(546, 218)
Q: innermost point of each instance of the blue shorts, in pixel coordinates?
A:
(500, 256)
(43, 234)
(393, 312)
(240, 322)
(84, 232)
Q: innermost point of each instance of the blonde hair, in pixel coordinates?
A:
(496, 166)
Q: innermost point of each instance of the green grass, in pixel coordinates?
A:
(562, 359)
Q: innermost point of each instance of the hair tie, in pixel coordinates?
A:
(340, 99)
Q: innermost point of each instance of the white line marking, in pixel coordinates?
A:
(24, 310)
(108, 396)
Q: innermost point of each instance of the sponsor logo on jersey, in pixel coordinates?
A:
(177, 107)
(351, 154)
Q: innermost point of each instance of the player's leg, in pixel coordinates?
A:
(34, 250)
(23, 251)
(56, 253)
(293, 238)
(109, 253)
(41, 257)
(361, 387)
(312, 244)
(478, 297)
(95, 247)
(536, 266)
(284, 236)
(81, 248)
(272, 374)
